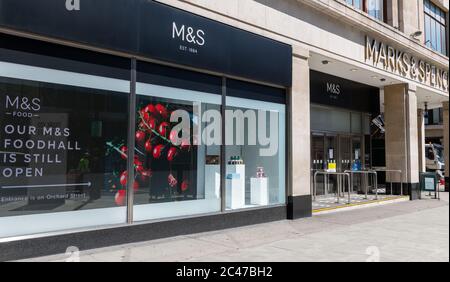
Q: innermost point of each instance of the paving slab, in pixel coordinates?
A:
(406, 231)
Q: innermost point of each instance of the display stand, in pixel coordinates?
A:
(235, 187)
(212, 182)
(259, 191)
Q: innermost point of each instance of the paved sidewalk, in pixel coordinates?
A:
(408, 231)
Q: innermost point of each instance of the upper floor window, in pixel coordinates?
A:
(435, 27)
(374, 8)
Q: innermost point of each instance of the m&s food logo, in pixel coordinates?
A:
(22, 106)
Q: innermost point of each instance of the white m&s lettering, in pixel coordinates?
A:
(189, 34)
(23, 103)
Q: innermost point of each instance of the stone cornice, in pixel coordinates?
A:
(340, 10)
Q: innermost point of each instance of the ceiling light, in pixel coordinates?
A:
(383, 79)
(325, 62)
(353, 70)
(374, 76)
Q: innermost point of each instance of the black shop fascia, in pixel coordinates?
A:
(156, 31)
(342, 93)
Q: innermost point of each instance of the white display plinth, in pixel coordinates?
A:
(235, 190)
(212, 182)
(259, 191)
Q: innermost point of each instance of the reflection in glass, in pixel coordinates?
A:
(435, 27)
(375, 9)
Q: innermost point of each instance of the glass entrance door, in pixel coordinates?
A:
(325, 155)
(357, 154)
(357, 163)
(317, 161)
(345, 154)
(317, 152)
(331, 147)
(340, 152)
(332, 156)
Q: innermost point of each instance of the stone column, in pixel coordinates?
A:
(411, 17)
(421, 140)
(402, 150)
(299, 196)
(446, 146)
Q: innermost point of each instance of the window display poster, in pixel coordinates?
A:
(165, 170)
(53, 152)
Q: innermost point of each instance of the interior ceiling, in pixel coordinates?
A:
(372, 78)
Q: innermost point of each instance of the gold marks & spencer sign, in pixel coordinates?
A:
(404, 64)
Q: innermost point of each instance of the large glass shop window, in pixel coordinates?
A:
(61, 140)
(177, 164)
(255, 146)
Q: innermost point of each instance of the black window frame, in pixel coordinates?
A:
(434, 21)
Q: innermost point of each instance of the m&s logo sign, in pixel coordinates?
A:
(188, 34)
(333, 88)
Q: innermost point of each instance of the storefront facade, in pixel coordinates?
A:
(96, 108)
(341, 126)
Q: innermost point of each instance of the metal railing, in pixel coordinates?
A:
(313, 171)
(348, 175)
(365, 172)
(339, 190)
(392, 171)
